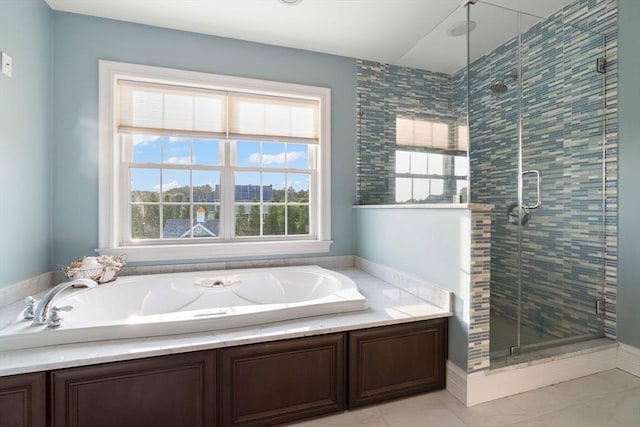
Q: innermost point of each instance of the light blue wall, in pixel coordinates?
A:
(431, 244)
(25, 226)
(79, 43)
(629, 174)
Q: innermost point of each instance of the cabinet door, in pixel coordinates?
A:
(171, 391)
(272, 383)
(22, 400)
(394, 361)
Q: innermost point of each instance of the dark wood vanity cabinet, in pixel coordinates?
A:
(171, 391)
(23, 400)
(262, 384)
(272, 383)
(394, 361)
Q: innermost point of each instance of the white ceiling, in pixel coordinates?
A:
(402, 32)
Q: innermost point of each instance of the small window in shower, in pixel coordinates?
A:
(420, 176)
(430, 167)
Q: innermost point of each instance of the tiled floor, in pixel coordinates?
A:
(607, 399)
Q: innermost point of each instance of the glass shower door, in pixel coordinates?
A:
(536, 119)
(561, 181)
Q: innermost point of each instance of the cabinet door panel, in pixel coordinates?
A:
(394, 361)
(22, 400)
(169, 391)
(266, 384)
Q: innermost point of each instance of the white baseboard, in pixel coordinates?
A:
(480, 387)
(457, 382)
(629, 359)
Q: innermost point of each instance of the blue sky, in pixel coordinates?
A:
(206, 152)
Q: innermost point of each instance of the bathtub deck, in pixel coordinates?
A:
(388, 305)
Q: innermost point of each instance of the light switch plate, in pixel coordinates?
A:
(6, 64)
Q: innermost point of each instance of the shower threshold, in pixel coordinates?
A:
(540, 353)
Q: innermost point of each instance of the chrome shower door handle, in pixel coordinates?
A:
(538, 186)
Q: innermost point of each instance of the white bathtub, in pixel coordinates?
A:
(167, 304)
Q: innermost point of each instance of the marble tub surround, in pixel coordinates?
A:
(18, 291)
(388, 305)
(330, 262)
(413, 285)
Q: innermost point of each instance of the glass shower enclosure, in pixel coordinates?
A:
(536, 109)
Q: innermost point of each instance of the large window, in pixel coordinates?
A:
(203, 166)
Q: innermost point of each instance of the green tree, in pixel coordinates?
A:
(203, 193)
(277, 196)
(242, 224)
(137, 222)
(151, 218)
(254, 220)
(298, 219)
(274, 221)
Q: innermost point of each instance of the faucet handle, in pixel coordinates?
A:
(31, 307)
(55, 319)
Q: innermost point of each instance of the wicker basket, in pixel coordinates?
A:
(108, 272)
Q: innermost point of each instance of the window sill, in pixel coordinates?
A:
(218, 250)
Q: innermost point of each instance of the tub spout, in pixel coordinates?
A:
(41, 313)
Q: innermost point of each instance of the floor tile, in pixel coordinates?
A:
(541, 401)
(623, 407)
(498, 413)
(529, 423)
(586, 388)
(607, 399)
(624, 379)
(422, 418)
(369, 416)
(581, 416)
(425, 409)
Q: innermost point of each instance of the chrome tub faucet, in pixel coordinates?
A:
(41, 312)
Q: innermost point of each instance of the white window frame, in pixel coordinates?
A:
(110, 188)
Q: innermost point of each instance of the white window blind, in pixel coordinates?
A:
(422, 133)
(284, 118)
(462, 142)
(152, 108)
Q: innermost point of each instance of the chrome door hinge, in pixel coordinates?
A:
(514, 350)
(601, 65)
(600, 304)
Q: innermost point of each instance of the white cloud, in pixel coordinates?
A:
(277, 159)
(255, 158)
(168, 186)
(296, 155)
